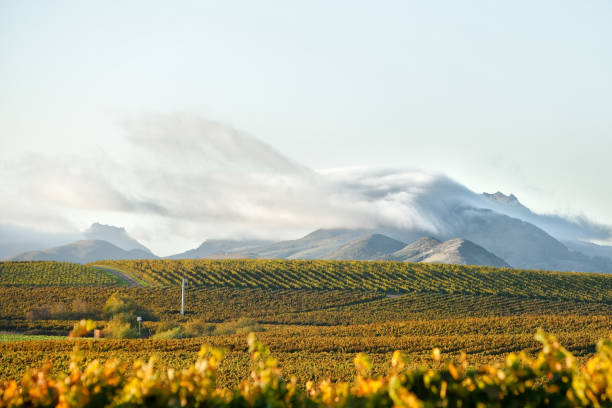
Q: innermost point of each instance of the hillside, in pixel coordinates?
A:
(380, 276)
(370, 247)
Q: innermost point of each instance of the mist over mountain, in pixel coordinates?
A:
(225, 184)
(422, 205)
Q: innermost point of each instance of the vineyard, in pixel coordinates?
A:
(552, 378)
(304, 307)
(314, 315)
(331, 348)
(388, 277)
(53, 273)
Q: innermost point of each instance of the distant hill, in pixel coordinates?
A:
(314, 245)
(454, 251)
(84, 251)
(215, 248)
(380, 247)
(373, 246)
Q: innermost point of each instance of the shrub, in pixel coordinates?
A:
(198, 328)
(118, 329)
(116, 305)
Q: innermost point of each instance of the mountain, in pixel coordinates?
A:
(117, 236)
(373, 246)
(380, 247)
(83, 252)
(501, 198)
(589, 249)
(16, 240)
(507, 241)
(454, 251)
(574, 229)
(519, 243)
(414, 251)
(314, 245)
(216, 248)
(498, 223)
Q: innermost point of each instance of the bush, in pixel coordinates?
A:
(198, 328)
(118, 329)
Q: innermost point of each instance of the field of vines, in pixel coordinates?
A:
(551, 378)
(53, 273)
(388, 277)
(303, 307)
(314, 315)
(320, 352)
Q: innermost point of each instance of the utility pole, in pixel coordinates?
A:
(183, 297)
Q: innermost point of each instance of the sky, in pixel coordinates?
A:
(97, 97)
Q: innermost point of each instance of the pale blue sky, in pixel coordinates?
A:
(512, 95)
